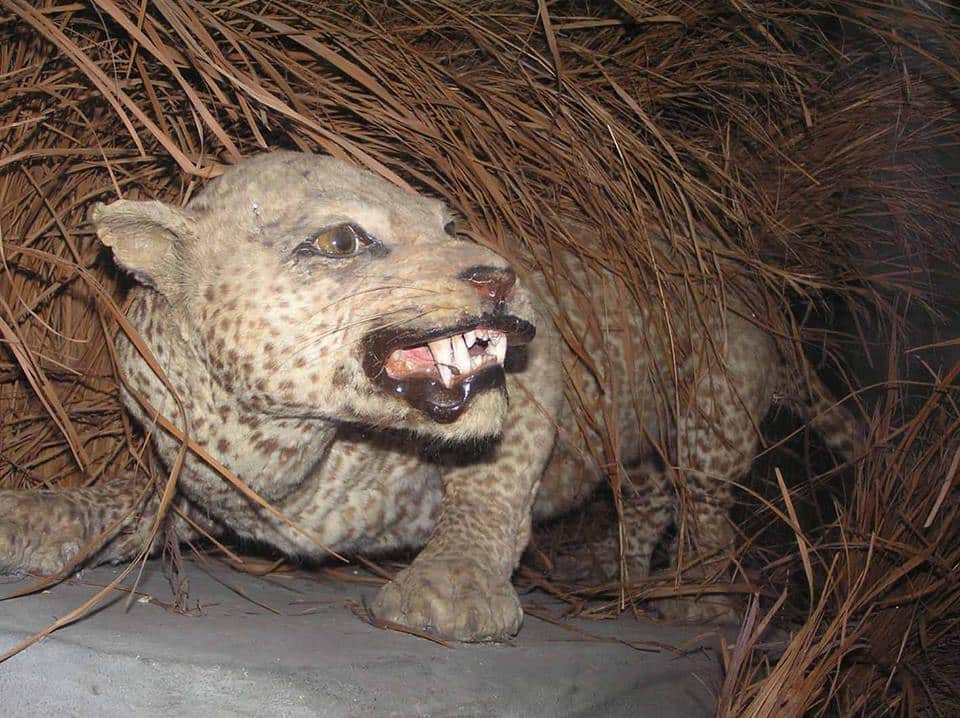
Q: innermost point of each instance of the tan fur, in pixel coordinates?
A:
(265, 354)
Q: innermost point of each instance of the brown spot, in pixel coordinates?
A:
(223, 446)
(209, 295)
(267, 446)
(339, 378)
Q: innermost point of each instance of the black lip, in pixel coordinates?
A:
(441, 404)
(428, 395)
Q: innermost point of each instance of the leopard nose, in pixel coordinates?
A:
(494, 283)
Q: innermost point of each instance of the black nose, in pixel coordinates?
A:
(493, 283)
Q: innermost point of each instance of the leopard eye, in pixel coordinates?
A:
(451, 228)
(342, 240)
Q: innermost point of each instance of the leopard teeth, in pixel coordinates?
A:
(452, 354)
(461, 354)
(500, 351)
(442, 351)
(446, 374)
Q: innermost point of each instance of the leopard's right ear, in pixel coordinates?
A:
(147, 238)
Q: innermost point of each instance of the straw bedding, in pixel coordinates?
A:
(812, 140)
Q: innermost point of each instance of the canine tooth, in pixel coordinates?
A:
(469, 338)
(442, 350)
(461, 354)
(500, 350)
(446, 374)
(476, 361)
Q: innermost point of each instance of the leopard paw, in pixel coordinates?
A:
(456, 599)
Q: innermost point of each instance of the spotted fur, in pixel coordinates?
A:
(260, 352)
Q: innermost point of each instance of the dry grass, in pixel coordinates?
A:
(804, 136)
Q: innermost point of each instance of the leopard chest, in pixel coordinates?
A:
(273, 457)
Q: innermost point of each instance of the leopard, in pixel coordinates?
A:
(330, 368)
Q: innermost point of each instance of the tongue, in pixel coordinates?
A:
(403, 362)
(421, 355)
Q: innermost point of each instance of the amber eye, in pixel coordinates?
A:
(343, 240)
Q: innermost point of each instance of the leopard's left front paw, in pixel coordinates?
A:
(455, 599)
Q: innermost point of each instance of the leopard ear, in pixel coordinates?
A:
(147, 239)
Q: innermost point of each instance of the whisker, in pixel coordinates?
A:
(313, 341)
(372, 290)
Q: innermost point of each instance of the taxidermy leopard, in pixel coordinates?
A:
(384, 385)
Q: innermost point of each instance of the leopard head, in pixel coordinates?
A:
(307, 287)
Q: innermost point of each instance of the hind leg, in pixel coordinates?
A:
(716, 444)
(702, 549)
(647, 506)
(650, 506)
(45, 531)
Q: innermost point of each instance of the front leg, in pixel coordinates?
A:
(459, 586)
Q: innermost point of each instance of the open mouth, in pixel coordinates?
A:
(439, 371)
(450, 359)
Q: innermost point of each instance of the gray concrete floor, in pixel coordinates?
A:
(233, 657)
